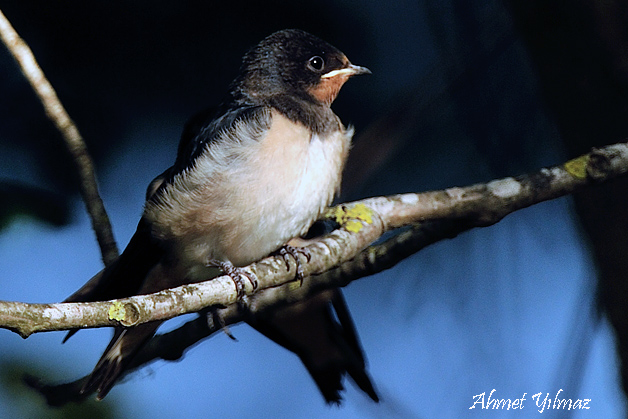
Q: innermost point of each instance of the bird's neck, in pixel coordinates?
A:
(317, 116)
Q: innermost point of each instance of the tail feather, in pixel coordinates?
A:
(327, 344)
(125, 276)
(108, 368)
(328, 379)
(114, 361)
(128, 275)
(88, 292)
(357, 367)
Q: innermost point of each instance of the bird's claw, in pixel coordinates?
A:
(235, 274)
(286, 251)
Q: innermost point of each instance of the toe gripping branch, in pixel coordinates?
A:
(286, 251)
(235, 274)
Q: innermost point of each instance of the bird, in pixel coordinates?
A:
(247, 178)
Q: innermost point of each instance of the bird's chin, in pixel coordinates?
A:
(327, 89)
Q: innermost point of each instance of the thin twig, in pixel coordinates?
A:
(71, 136)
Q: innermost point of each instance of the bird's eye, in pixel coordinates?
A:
(316, 63)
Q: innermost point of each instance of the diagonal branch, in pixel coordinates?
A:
(449, 212)
(433, 215)
(337, 259)
(71, 136)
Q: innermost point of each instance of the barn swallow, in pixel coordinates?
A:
(245, 181)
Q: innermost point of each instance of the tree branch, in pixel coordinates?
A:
(449, 212)
(337, 259)
(71, 136)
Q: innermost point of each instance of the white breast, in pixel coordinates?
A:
(250, 192)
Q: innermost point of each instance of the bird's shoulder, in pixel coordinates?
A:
(237, 121)
(205, 129)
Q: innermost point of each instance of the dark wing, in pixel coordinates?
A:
(194, 126)
(205, 128)
(321, 332)
(191, 130)
(125, 276)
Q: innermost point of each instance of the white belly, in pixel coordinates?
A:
(246, 198)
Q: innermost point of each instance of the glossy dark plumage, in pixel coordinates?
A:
(228, 197)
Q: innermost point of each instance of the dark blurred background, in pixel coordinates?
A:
(461, 92)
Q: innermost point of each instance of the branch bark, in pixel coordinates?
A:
(449, 212)
(364, 222)
(433, 216)
(337, 259)
(70, 133)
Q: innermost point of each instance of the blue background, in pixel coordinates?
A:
(511, 307)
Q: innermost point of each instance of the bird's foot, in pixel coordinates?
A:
(216, 320)
(235, 274)
(286, 251)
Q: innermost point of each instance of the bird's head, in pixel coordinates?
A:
(294, 62)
